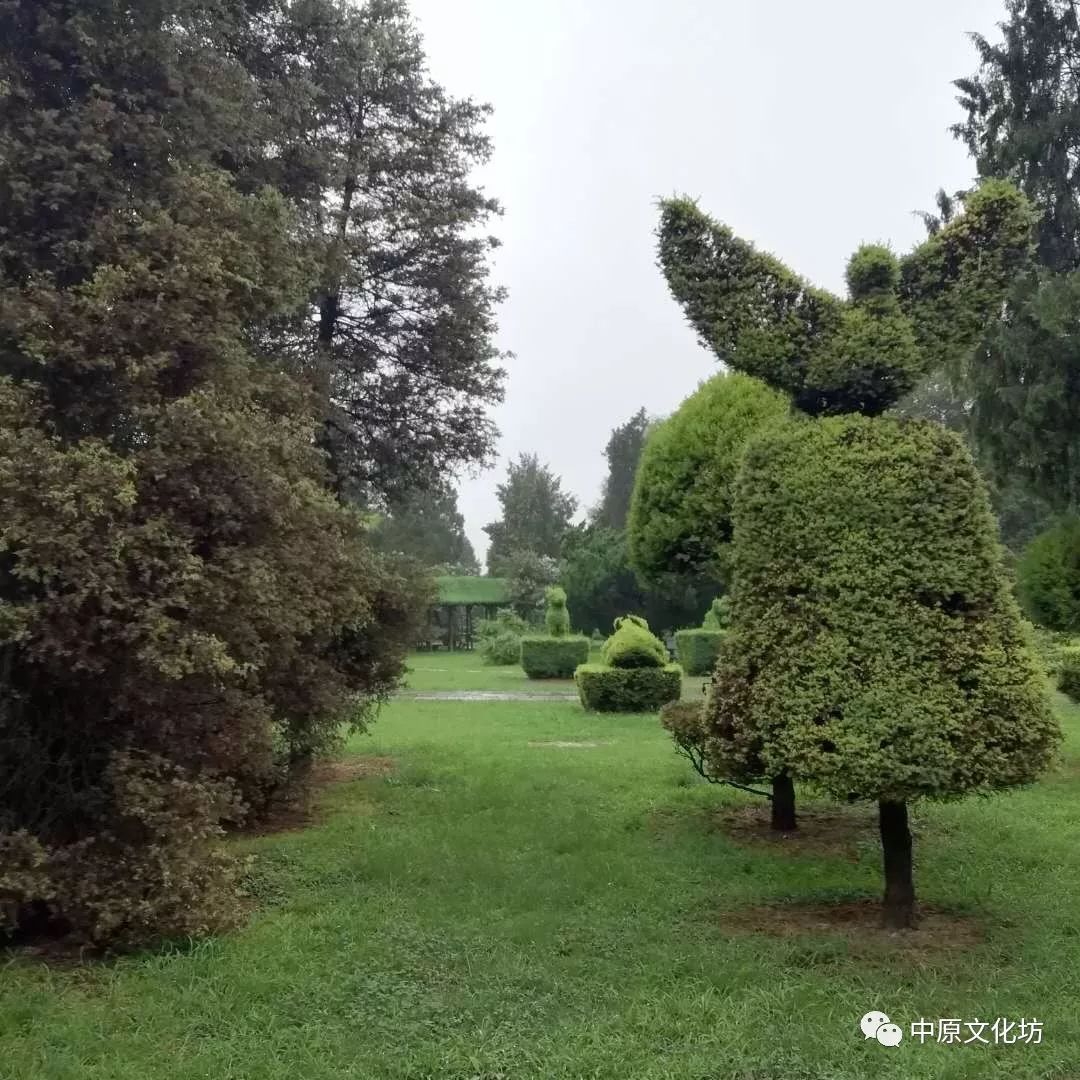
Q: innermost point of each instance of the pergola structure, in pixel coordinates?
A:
(459, 600)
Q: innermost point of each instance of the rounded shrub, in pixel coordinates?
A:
(500, 638)
(546, 657)
(633, 645)
(697, 650)
(680, 511)
(1048, 577)
(628, 690)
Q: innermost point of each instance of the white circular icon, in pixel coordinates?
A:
(889, 1034)
(871, 1022)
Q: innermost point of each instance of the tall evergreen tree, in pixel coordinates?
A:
(376, 157)
(536, 513)
(623, 452)
(1022, 123)
(427, 526)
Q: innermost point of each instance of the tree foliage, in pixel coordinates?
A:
(1048, 577)
(536, 514)
(680, 518)
(1021, 124)
(187, 614)
(428, 527)
(623, 452)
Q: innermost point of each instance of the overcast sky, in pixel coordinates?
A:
(808, 127)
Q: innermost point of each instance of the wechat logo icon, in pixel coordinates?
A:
(876, 1025)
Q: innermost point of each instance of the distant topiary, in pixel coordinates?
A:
(888, 661)
(633, 645)
(635, 675)
(1048, 577)
(718, 617)
(628, 690)
(1069, 672)
(697, 650)
(556, 617)
(680, 512)
(546, 657)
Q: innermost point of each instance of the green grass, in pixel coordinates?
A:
(497, 909)
(435, 671)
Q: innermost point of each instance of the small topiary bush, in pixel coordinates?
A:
(628, 690)
(633, 645)
(698, 649)
(718, 617)
(1048, 577)
(500, 638)
(553, 657)
(1069, 672)
(557, 618)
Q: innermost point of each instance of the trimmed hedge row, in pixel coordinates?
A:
(698, 650)
(553, 657)
(1069, 672)
(631, 690)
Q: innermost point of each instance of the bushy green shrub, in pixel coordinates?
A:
(718, 617)
(1048, 577)
(1068, 679)
(923, 683)
(697, 650)
(500, 638)
(556, 617)
(545, 657)
(680, 512)
(632, 645)
(629, 690)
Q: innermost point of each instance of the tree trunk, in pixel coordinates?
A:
(898, 911)
(783, 804)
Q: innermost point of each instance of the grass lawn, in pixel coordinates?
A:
(431, 672)
(493, 908)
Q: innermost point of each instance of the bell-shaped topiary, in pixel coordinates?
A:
(633, 645)
(556, 617)
(680, 511)
(888, 660)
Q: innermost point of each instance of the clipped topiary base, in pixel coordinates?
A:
(698, 650)
(545, 657)
(628, 690)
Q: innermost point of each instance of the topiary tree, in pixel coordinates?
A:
(718, 617)
(901, 320)
(888, 660)
(796, 666)
(556, 618)
(635, 675)
(1048, 577)
(680, 511)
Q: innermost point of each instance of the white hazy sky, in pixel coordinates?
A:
(808, 127)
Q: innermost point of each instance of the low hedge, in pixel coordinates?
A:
(1069, 672)
(545, 657)
(697, 650)
(630, 690)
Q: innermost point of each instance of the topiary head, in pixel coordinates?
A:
(633, 645)
(872, 271)
(718, 617)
